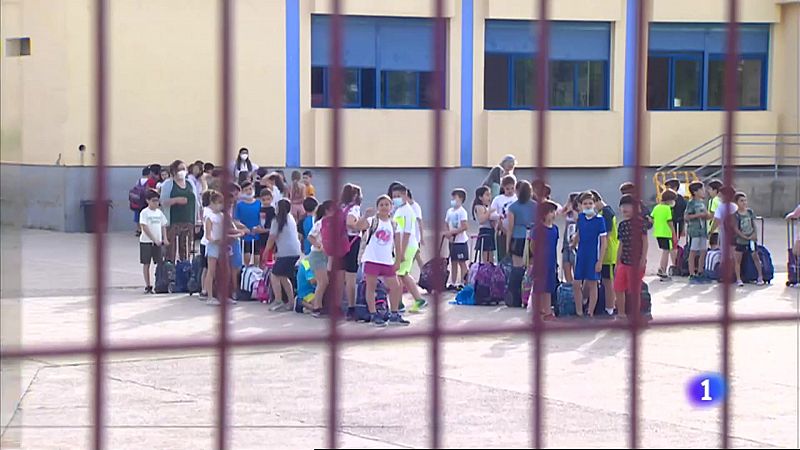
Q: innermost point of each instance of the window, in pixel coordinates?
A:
(578, 65)
(388, 62)
(686, 67)
(18, 46)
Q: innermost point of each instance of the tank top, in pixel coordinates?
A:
(380, 243)
(486, 223)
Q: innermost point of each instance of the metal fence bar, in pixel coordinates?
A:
(100, 222)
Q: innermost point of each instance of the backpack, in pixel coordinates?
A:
(195, 283)
(565, 301)
(381, 304)
(251, 276)
(136, 196)
(336, 245)
(183, 273)
(749, 270)
(165, 278)
(485, 290)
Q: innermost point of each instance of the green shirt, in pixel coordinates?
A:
(662, 216)
(746, 221)
(696, 228)
(182, 213)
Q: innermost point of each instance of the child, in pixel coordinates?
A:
(153, 223)
(456, 223)
(696, 216)
(212, 235)
(628, 188)
(266, 215)
(627, 266)
(235, 234)
(482, 213)
(521, 216)
(713, 188)
(570, 212)
(678, 210)
(544, 281)
(306, 289)
(308, 178)
(297, 195)
(355, 224)
(406, 222)
(283, 235)
(248, 212)
(726, 208)
(317, 259)
(164, 176)
(500, 206)
(591, 242)
(420, 228)
(664, 231)
(309, 206)
(610, 257)
(382, 244)
(746, 237)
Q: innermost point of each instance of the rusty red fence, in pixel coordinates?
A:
(536, 328)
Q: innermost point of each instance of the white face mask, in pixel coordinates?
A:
(181, 174)
(244, 156)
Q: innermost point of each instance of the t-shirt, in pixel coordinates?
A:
(316, 231)
(307, 224)
(406, 222)
(418, 212)
(696, 228)
(662, 216)
(215, 234)
(500, 205)
(250, 215)
(286, 240)
(182, 213)
(746, 221)
(354, 211)
(305, 276)
(524, 215)
(625, 233)
(679, 209)
(265, 216)
(380, 244)
(723, 210)
(155, 220)
(607, 213)
(551, 246)
(311, 191)
(589, 233)
(454, 218)
(713, 205)
(570, 229)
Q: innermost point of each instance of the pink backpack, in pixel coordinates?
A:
(335, 241)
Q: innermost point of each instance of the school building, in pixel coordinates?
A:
(164, 82)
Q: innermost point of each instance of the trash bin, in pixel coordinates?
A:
(89, 207)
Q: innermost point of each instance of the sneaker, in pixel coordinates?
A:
(739, 283)
(202, 295)
(760, 282)
(148, 290)
(661, 274)
(317, 314)
(694, 279)
(350, 316)
(278, 306)
(397, 319)
(378, 321)
(402, 308)
(211, 301)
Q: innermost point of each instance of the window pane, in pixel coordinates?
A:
(317, 87)
(367, 88)
(495, 82)
(687, 83)
(351, 89)
(591, 84)
(716, 75)
(524, 74)
(750, 83)
(562, 84)
(657, 83)
(399, 88)
(426, 91)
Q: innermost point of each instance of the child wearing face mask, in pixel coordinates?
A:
(664, 232)
(456, 223)
(248, 212)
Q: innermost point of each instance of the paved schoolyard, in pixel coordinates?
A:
(167, 400)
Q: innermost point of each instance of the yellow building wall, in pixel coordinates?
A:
(574, 138)
(381, 137)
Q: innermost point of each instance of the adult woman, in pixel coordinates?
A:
(181, 204)
(520, 218)
(355, 224)
(243, 164)
(496, 174)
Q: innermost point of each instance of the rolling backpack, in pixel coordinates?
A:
(195, 284)
(183, 272)
(565, 301)
(792, 260)
(749, 270)
(381, 301)
(165, 278)
(429, 269)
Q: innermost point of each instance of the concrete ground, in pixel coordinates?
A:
(167, 400)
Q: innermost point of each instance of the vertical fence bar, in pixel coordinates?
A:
(730, 102)
(438, 182)
(540, 176)
(637, 222)
(100, 222)
(226, 107)
(336, 89)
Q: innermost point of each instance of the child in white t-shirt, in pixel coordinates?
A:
(154, 236)
(500, 206)
(456, 221)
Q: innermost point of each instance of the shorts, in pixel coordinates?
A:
(235, 252)
(518, 247)
(607, 272)
(664, 243)
(408, 260)
(680, 225)
(584, 269)
(698, 244)
(284, 267)
(486, 241)
(379, 270)
(149, 252)
(351, 258)
(622, 277)
(568, 256)
(742, 248)
(212, 250)
(459, 251)
(317, 261)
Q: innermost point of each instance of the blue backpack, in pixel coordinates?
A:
(381, 303)
(565, 301)
(466, 296)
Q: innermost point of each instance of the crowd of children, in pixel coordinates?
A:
(305, 243)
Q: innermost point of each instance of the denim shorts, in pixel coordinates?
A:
(212, 250)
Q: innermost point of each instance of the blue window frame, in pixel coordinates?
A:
(678, 51)
(388, 62)
(579, 56)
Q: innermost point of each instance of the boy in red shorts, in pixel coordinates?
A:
(627, 266)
